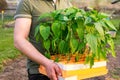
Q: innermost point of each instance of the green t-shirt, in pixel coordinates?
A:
(33, 9)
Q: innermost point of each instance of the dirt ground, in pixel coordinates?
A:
(15, 70)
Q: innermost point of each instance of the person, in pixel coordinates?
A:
(26, 20)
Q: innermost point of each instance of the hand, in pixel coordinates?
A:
(53, 70)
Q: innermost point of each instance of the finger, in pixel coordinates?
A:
(58, 70)
(53, 75)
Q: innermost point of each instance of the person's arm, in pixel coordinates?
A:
(21, 32)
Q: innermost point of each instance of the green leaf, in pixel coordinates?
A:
(92, 60)
(44, 31)
(68, 36)
(56, 13)
(36, 30)
(109, 23)
(83, 12)
(56, 59)
(47, 45)
(74, 27)
(63, 18)
(47, 55)
(99, 28)
(111, 43)
(81, 47)
(98, 56)
(78, 15)
(37, 38)
(66, 48)
(77, 58)
(56, 29)
(88, 20)
(92, 42)
(80, 33)
(63, 25)
(70, 11)
(80, 29)
(106, 28)
(73, 45)
(103, 15)
(54, 44)
(61, 46)
(87, 59)
(103, 54)
(45, 17)
(37, 34)
(72, 16)
(93, 16)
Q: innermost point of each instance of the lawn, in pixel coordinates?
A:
(116, 23)
(7, 50)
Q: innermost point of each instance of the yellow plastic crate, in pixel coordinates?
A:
(85, 73)
(80, 71)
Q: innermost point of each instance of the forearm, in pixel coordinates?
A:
(30, 51)
(21, 32)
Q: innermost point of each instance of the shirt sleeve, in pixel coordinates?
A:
(23, 10)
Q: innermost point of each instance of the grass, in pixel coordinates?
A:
(117, 39)
(6, 19)
(116, 23)
(7, 49)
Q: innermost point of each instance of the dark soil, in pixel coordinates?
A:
(16, 69)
